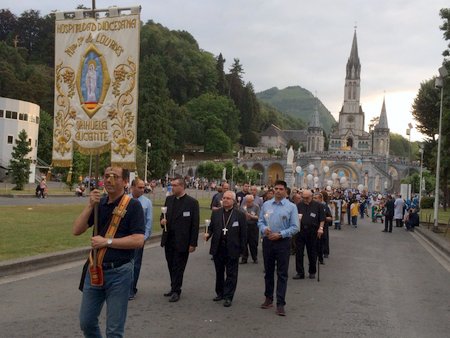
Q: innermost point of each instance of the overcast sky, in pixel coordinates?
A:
(284, 43)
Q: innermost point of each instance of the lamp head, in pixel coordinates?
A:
(443, 72)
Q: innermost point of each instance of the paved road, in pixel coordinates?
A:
(373, 285)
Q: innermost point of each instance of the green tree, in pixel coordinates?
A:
(154, 122)
(425, 109)
(210, 170)
(217, 142)
(221, 86)
(8, 25)
(250, 117)
(45, 141)
(235, 83)
(211, 111)
(20, 163)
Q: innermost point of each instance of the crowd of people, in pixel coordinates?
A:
(284, 221)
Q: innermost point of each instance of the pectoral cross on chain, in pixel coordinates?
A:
(225, 230)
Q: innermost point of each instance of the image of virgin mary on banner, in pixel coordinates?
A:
(96, 72)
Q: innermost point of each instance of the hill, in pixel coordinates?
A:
(297, 102)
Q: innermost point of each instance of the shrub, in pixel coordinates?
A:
(426, 202)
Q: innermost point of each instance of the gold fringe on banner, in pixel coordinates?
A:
(125, 165)
(92, 151)
(62, 163)
(69, 176)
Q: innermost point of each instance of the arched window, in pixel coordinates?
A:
(350, 142)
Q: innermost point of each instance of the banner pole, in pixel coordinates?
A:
(94, 254)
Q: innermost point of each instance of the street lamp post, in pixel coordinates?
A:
(147, 145)
(182, 165)
(174, 165)
(439, 83)
(232, 177)
(408, 132)
(421, 171)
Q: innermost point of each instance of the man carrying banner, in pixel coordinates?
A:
(121, 228)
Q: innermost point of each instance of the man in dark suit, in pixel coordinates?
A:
(389, 214)
(228, 229)
(180, 234)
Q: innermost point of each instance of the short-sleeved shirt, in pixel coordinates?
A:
(132, 223)
(312, 214)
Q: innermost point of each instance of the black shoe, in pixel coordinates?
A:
(299, 276)
(322, 262)
(244, 261)
(168, 294)
(174, 298)
(132, 297)
(280, 310)
(217, 298)
(312, 276)
(268, 303)
(227, 303)
(255, 261)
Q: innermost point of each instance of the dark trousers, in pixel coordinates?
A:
(252, 242)
(276, 253)
(225, 285)
(388, 224)
(326, 240)
(398, 223)
(176, 262)
(349, 218)
(323, 247)
(308, 239)
(137, 269)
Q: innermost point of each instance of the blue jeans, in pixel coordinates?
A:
(137, 270)
(114, 291)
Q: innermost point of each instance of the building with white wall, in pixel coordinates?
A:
(16, 115)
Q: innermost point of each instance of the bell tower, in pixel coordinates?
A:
(351, 116)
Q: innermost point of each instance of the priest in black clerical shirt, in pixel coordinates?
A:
(228, 229)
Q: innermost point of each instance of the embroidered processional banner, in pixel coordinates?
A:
(96, 88)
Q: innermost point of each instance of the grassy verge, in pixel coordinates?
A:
(427, 217)
(33, 230)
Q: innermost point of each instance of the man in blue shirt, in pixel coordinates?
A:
(137, 191)
(278, 222)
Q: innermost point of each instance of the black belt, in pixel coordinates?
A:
(114, 265)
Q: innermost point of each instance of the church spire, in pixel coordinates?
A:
(383, 122)
(315, 118)
(353, 64)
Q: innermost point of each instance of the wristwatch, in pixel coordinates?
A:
(109, 242)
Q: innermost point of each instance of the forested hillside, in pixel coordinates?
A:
(297, 102)
(186, 94)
